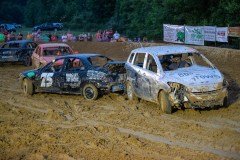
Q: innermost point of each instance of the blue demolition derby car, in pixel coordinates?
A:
(86, 74)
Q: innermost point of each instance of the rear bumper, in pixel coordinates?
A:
(111, 87)
(207, 99)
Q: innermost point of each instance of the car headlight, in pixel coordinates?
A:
(174, 86)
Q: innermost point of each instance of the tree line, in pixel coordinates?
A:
(130, 17)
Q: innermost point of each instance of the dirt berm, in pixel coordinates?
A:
(52, 126)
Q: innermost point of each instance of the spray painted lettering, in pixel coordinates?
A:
(97, 75)
(72, 77)
(205, 77)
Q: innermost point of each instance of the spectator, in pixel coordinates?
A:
(2, 37)
(98, 36)
(29, 36)
(53, 38)
(8, 37)
(89, 37)
(64, 38)
(145, 39)
(19, 36)
(69, 36)
(116, 36)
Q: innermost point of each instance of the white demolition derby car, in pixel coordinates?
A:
(174, 77)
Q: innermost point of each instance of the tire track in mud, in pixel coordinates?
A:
(218, 123)
(150, 137)
(159, 139)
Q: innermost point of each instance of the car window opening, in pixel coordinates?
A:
(98, 61)
(175, 61)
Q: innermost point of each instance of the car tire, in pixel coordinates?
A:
(130, 93)
(27, 61)
(165, 103)
(225, 102)
(90, 92)
(27, 86)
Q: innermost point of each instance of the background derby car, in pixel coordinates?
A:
(48, 27)
(17, 51)
(86, 74)
(45, 53)
(174, 76)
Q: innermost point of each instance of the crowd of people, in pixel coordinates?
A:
(53, 37)
(101, 36)
(39, 36)
(104, 36)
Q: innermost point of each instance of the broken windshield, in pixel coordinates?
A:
(98, 61)
(56, 51)
(175, 61)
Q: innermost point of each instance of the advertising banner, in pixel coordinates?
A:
(234, 31)
(194, 35)
(173, 33)
(222, 34)
(210, 33)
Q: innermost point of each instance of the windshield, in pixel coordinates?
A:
(175, 61)
(56, 51)
(98, 61)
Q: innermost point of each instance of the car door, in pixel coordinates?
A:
(151, 77)
(138, 75)
(50, 79)
(73, 75)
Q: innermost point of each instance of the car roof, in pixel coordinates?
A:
(165, 50)
(53, 45)
(80, 55)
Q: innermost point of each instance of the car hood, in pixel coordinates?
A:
(196, 78)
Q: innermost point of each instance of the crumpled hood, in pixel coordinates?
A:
(196, 78)
(115, 67)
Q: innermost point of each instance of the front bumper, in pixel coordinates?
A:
(207, 99)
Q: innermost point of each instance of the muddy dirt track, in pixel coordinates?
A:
(51, 126)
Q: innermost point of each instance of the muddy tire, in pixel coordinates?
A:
(27, 86)
(165, 103)
(225, 102)
(130, 93)
(90, 92)
(27, 61)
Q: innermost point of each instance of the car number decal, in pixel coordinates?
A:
(72, 77)
(47, 80)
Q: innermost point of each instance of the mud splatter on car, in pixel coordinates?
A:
(175, 76)
(86, 74)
